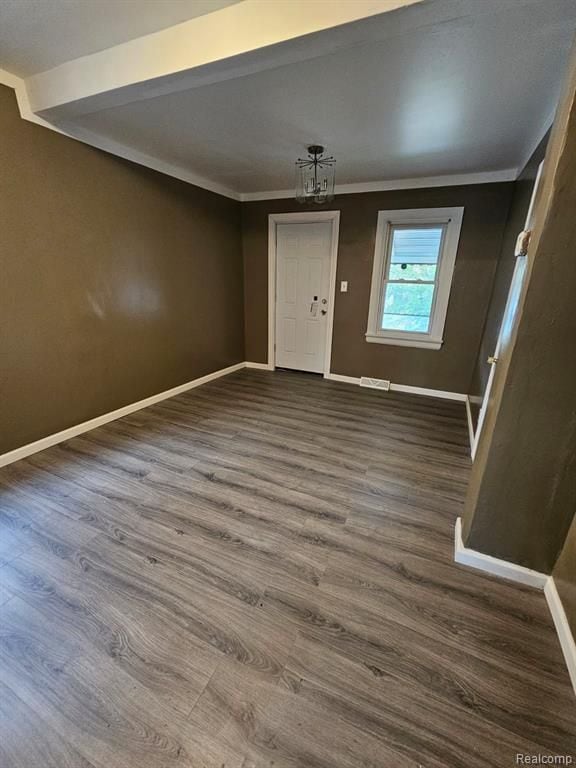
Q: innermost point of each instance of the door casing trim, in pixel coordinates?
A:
(301, 217)
(528, 224)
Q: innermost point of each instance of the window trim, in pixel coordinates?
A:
(451, 218)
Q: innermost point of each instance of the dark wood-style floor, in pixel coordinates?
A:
(260, 573)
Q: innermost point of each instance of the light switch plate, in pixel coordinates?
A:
(343, 286)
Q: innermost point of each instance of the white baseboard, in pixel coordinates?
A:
(86, 426)
(565, 635)
(470, 423)
(494, 565)
(518, 573)
(343, 379)
(260, 366)
(441, 393)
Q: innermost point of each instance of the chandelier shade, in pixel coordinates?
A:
(315, 177)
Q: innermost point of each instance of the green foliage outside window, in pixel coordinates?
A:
(408, 307)
(412, 272)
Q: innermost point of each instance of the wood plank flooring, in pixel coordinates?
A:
(260, 573)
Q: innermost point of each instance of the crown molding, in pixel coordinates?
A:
(454, 180)
(7, 78)
(19, 87)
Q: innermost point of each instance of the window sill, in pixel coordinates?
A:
(422, 343)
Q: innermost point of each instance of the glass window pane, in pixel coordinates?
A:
(407, 307)
(407, 271)
(414, 253)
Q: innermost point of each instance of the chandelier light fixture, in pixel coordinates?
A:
(315, 177)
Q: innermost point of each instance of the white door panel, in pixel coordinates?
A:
(290, 280)
(289, 334)
(312, 337)
(302, 285)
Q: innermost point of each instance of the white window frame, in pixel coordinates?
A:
(451, 219)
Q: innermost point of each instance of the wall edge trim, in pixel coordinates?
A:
(565, 636)
(522, 575)
(494, 565)
(470, 421)
(387, 185)
(440, 393)
(407, 388)
(98, 421)
(344, 379)
(66, 434)
(260, 366)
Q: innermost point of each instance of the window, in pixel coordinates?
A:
(412, 274)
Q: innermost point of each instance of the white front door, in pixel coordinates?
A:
(510, 312)
(302, 286)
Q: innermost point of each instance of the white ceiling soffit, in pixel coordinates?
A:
(37, 35)
(415, 92)
(247, 37)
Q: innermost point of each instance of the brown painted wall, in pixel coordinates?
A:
(565, 576)
(522, 489)
(516, 219)
(450, 368)
(116, 282)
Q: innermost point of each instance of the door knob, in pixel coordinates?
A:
(492, 360)
(323, 311)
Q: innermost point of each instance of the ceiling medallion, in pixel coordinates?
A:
(315, 177)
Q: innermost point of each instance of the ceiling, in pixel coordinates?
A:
(441, 88)
(457, 98)
(36, 35)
